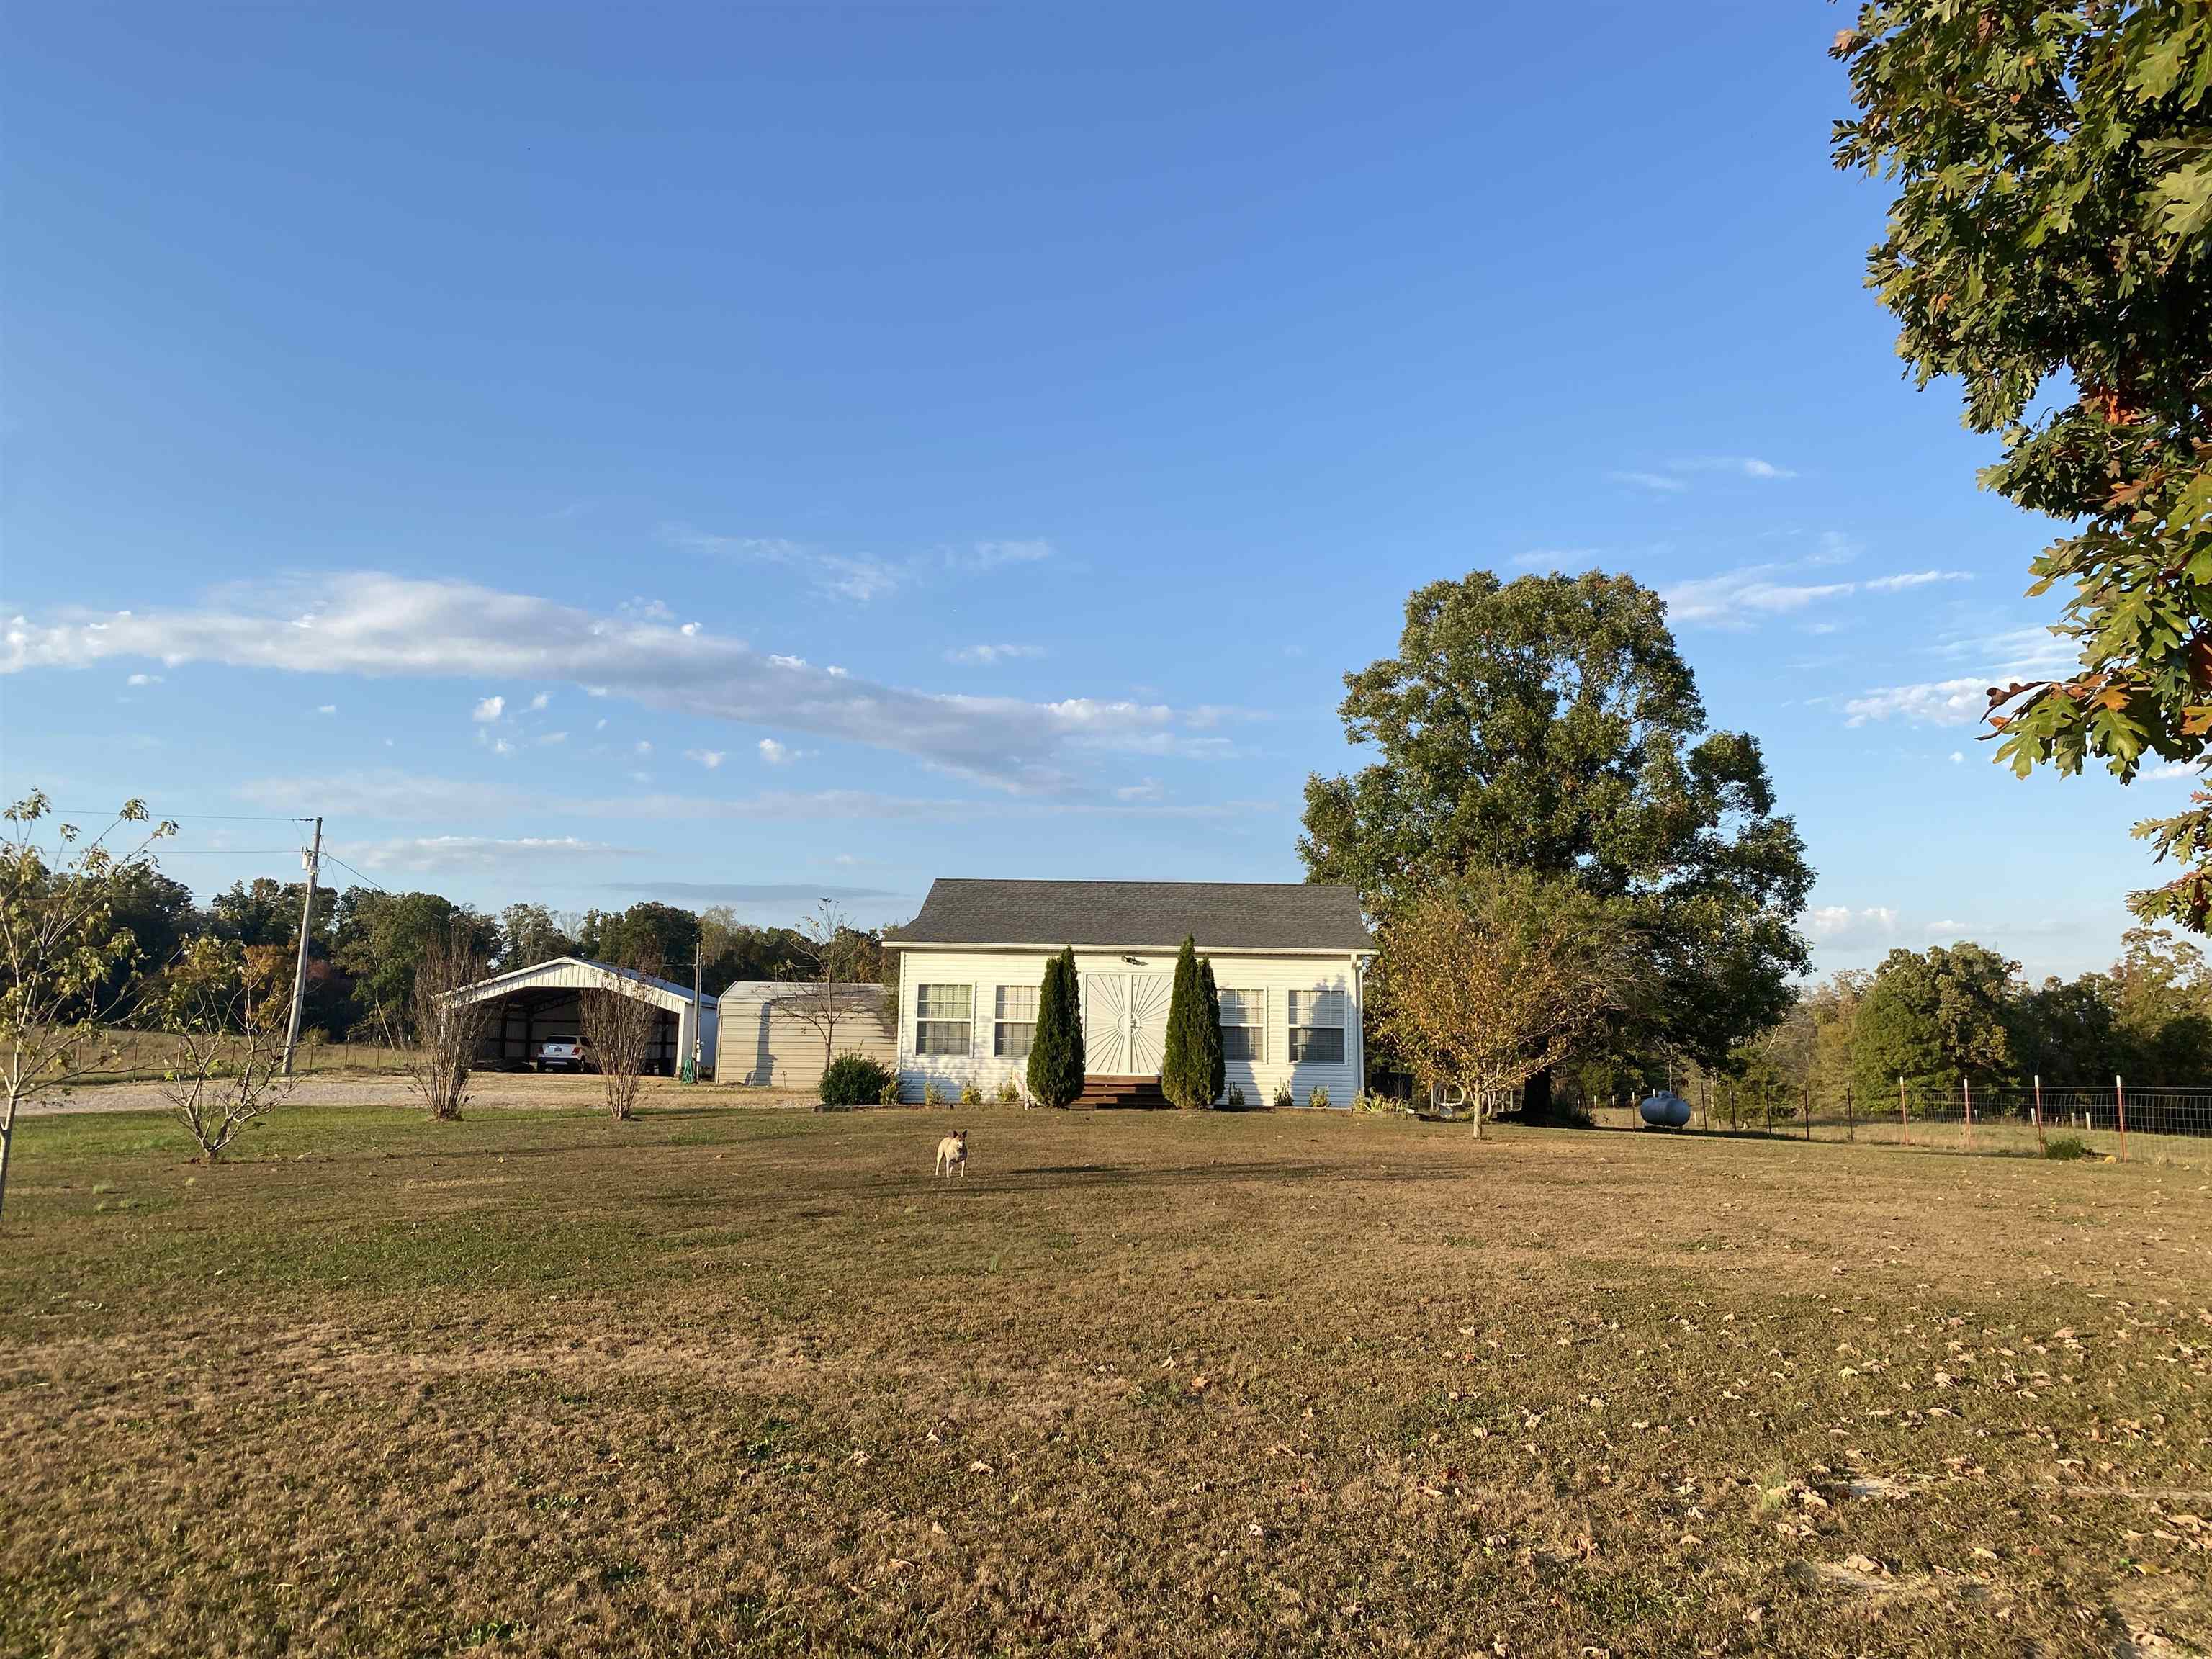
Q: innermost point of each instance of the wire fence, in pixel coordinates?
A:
(2113, 1118)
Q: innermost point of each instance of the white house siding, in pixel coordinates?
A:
(763, 1045)
(1274, 974)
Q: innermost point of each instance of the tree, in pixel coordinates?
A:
(1186, 1070)
(1935, 1017)
(621, 1029)
(2050, 245)
(530, 933)
(226, 1008)
(60, 946)
(385, 939)
(1055, 1067)
(2070, 1030)
(1549, 724)
(2161, 993)
(1488, 978)
(833, 977)
(646, 931)
(444, 1022)
(1217, 1057)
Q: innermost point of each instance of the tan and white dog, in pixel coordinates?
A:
(952, 1154)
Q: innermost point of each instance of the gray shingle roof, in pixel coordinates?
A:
(1222, 916)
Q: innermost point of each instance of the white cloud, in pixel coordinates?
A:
(647, 610)
(2172, 770)
(1957, 758)
(414, 854)
(1743, 467)
(1150, 789)
(859, 577)
(778, 660)
(554, 737)
(1658, 481)
(143, 679)
(539, 702)
(1934, 702)
(326, 708)
(384, 626)
(389, 794)
(988, 656)
(1916, 579)
(1839, 924)
(776, 754)
(1737, 598)
(989, 556)
(709, 759)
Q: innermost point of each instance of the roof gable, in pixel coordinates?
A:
(1221, 915)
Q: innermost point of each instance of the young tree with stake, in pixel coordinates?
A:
(63, 959)
(228, 1015)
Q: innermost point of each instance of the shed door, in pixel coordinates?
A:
(1124, 1023)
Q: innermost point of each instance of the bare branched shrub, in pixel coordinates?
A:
(440, 1049)
(1486, 980)
(620, 1029)
(227, 1014)
(824, 993)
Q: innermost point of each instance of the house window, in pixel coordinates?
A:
(941, 1014)
(1243, 1024)
(1317, 1027)
(1015, 1027)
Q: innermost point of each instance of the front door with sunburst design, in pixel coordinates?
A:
(1124, 1023)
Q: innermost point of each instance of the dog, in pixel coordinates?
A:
(952, 1154)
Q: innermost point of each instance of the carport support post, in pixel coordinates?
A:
(698, 967)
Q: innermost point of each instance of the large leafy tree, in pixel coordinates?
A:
(2050, 245)
(1549, 724)
(1934, 1017)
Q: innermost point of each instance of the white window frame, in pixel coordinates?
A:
(923, 1019)
(1253, 1004)
(1000, 1025)
(1316, 1003)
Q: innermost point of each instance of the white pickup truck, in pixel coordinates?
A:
(562, 1054)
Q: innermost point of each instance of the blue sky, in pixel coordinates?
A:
(736, 455)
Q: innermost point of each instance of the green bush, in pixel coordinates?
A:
(1234, 1101)
(1186, 1074)
(970, 1094)
(1319, 1098)
(1284, 1100)
(854, 1080)
(1056, 1070)
(2067, 1148)
(932, 1094)
(891, 1094)
(1008, 1093)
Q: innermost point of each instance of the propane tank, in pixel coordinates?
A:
(1665, 1110)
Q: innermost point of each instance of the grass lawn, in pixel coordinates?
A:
(720, 1381)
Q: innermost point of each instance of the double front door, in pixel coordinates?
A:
(1124, 1023)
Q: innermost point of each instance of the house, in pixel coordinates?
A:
(1290, 959)
(765, 1040)
(544, 1003)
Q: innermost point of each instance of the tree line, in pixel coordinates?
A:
(1963, 1013)
(367, 946)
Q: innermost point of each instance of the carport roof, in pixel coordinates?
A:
(581, 973)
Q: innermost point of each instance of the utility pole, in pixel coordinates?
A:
(312, 858)
(698, 1038)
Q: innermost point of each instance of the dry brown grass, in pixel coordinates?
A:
(726, 1382)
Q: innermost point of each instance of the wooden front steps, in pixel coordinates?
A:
(1101, 1094)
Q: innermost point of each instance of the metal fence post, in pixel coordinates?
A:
(2041, 1145)
(1851, 1116)
(2120, 1104)
(1904, 1125)
(1806, 1105)
(1966, 1090)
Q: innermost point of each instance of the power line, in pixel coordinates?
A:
(183, 817)
(350, 871)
